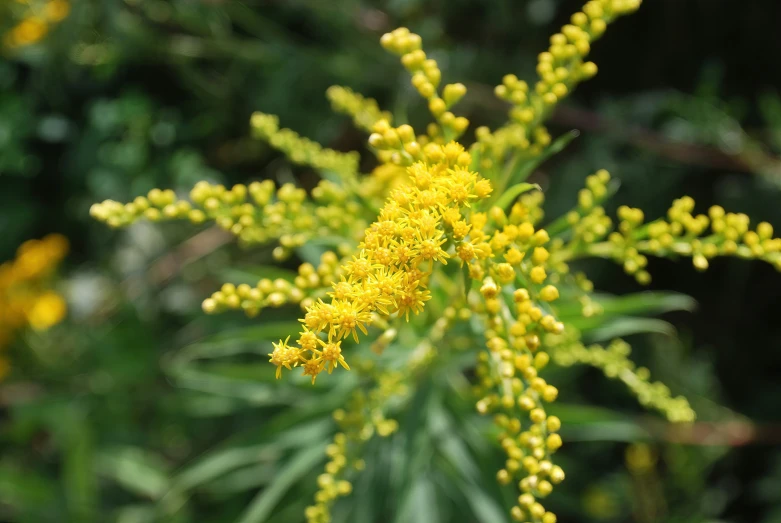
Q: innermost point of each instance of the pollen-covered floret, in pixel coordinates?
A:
(390, 273)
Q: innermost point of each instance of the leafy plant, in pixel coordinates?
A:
(438, 250)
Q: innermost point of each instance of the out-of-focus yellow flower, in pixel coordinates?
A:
(28, 31)
(56, 10)
(26, 298)
(35, 22)
(640, 458)
(49, 309)
(599, 503)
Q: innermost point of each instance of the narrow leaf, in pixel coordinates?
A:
(137, 470)
(524, 170)
(299, 466)
(509, 196)
(626, 326)
(420, 503)
(639, 303)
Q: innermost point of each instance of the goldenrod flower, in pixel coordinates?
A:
(26, 298)
(430, 201)
(35, 22)
(48, 310)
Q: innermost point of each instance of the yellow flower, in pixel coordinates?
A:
(48, 310)
(389, 274)
(56, 10)
(28, 31)
(5, 368)
(331, 354)
(284, 356)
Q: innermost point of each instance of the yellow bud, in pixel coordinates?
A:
(537, 511)
(437, 106)
(598, 27)
(537, 416)
(526, 500)
(503, 477)
(489, 288)
(549, 293)
(549, 99)
(453, 93)
(700, 262)
(505, 272)
(209, 305)
(588, 70)
(540, 254)
(550, 393)
(537, 274)
(447, 119)
(557, 475)
(460, 124)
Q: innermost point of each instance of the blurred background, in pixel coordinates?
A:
(115, 414)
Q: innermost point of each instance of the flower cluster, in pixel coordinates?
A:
(389, 275)
(614, 361)
(36, 18)
(311, 282)
(560, 69)
(300, 150)
(364, 111)
(439, 239)
(426, 77)
(700, 237)
(26, 299)
(257, 213)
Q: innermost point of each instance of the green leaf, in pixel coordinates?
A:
(625, 431)
(467, 279)
(508, 197)
(646, 303)
(138, 470)
(223, 379)
(257, 333)
(613, 322)
(78, 462)
(291, 511)
(218, 463)
(576, 414)
(483, 505)
(296, 468)
(136, 514)
(590, 423)
(26, 490)
(312, 250)
(257, 393)
(620, 327)
(208, 405)
(420, 503)
(524, 170)
(243, 479)
(457, 453)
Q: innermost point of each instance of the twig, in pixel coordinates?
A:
(692, 154)
(196, 247)
(726, 433)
